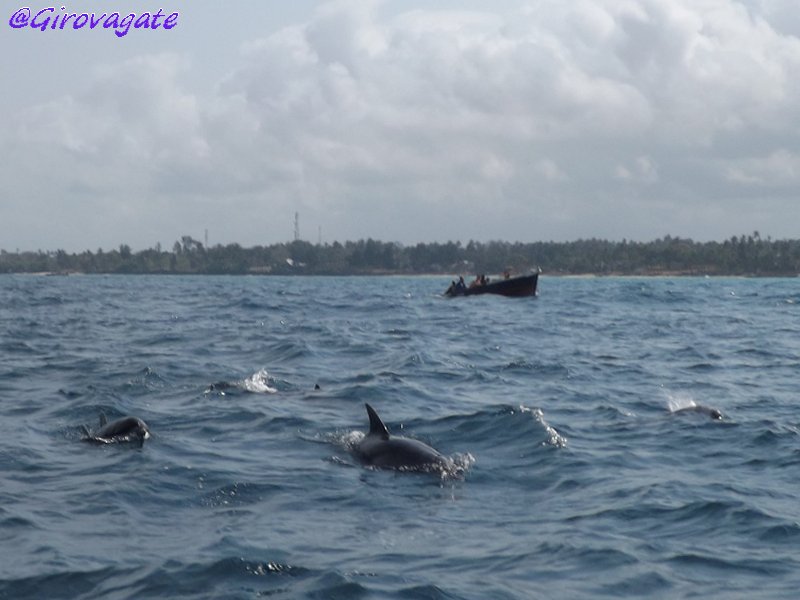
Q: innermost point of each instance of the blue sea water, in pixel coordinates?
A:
(580, 477)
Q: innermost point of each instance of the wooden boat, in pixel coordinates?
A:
(514, 287)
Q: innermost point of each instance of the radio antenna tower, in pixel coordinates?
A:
(296, 226)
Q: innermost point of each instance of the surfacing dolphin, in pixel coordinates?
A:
(381, 449)
(126, 429)
(709, 411)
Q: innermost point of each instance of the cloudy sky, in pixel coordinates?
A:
(403, 121)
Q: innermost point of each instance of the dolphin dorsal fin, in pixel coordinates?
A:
(376, 426)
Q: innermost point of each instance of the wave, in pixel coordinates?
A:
(234, 577)
(257, 383)
(510, 425)
(148, 378)
(244, 577)
(638, 586)
(643, 510)
(239, 494)
(539, 368)
(553, 438)
(711, 562)
(71, 584)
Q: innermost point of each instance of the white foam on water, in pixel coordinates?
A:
(679, 401)
(258, 383)
(554, 438)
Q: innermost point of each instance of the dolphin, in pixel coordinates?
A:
(127, 429)
(703, 410)
(220, 386)
(381, 449)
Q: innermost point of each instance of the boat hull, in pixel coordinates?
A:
(515, 287)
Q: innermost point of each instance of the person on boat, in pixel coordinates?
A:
(506, 274)
(456, 287)
(478, 281)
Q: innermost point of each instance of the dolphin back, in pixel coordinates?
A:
(385, 451)
(402, 453)
(122, 427)
(127, 429)
(709, 411)
(376, 426)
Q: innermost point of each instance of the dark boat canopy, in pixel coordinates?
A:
(514, 287)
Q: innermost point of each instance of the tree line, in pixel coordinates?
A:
(742, 255)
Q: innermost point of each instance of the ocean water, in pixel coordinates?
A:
(581, 477)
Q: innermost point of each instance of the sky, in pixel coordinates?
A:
(401, 120)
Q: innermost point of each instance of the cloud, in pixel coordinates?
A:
(642, 170)
(780, 169)
(549, 170)
(560, 120)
